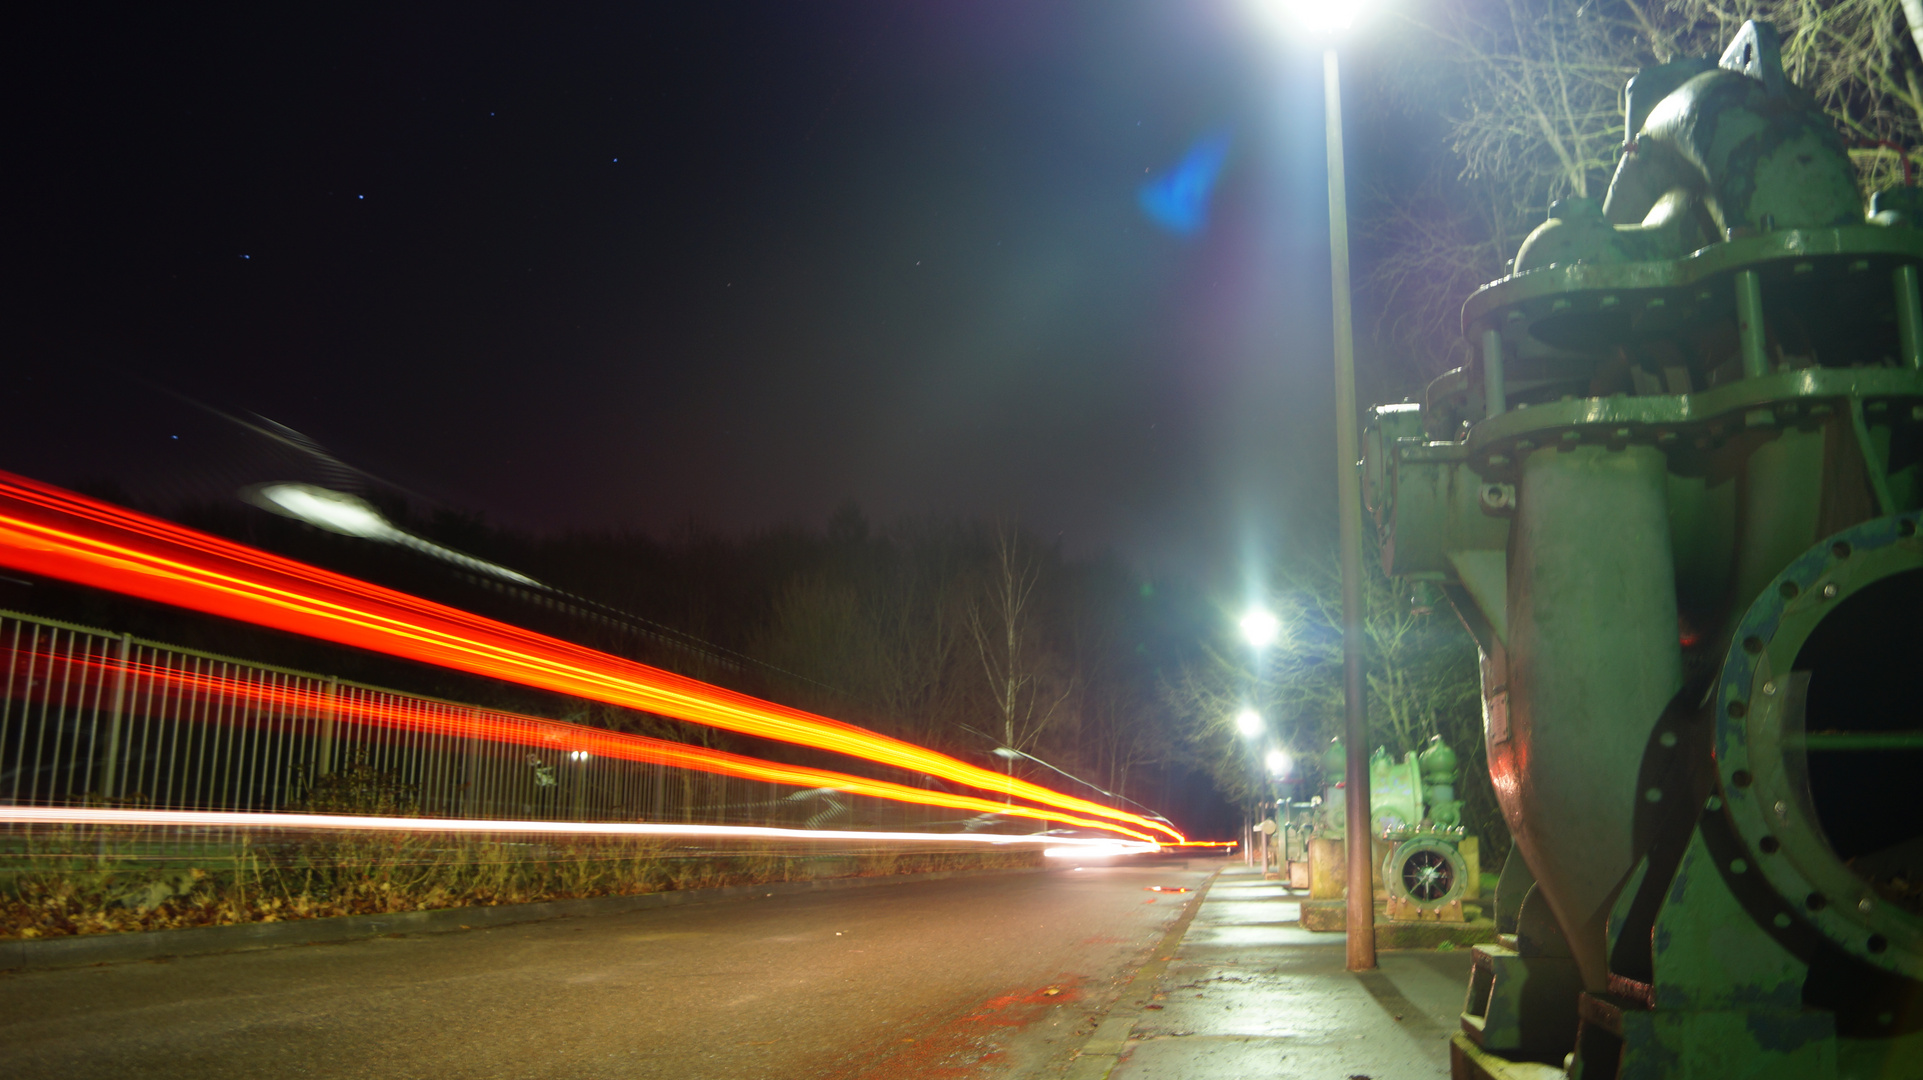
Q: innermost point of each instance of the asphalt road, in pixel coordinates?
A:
(947, 979)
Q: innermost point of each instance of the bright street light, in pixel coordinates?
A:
(1261, 627)
(1324, 18)
(1249, 722)
(1278, 762)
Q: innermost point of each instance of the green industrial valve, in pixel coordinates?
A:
(1675, 497)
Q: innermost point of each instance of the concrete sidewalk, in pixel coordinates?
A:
(1249, 993)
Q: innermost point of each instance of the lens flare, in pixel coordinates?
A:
(1178, 200)
(58, 534)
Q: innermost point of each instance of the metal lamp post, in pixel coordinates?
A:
(1328, 19)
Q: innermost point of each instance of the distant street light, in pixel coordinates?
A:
(351, 515)
(1278, 762)
(1249, 723)
(1325, 21)
(1261, 627)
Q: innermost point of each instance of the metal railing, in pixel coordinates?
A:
(93, 718)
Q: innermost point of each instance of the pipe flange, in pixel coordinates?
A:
(1764, 790)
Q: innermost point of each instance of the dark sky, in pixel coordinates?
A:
(624, 266)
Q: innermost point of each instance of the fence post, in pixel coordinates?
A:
(110, 769)
(324, 754)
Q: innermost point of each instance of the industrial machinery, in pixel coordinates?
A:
(1427, 865)
(1675, 499)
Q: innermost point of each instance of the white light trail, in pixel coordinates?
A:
(238, 819)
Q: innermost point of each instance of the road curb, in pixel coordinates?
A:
(1103, 1050)
(83, 950)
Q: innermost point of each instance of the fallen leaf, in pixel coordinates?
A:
(1051, 991)
(1154, 1006)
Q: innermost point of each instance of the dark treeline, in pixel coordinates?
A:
(965, 636)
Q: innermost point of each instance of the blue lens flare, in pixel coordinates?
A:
(1178, 199)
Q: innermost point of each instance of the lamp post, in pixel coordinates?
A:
(1327, 19)
(1249, 724)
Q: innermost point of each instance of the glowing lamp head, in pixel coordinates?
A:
(1278, 763)
(1323, 19)
(1249, 722)
(334, 511)
(1261, 627)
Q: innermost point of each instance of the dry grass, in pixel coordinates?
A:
(93, 880)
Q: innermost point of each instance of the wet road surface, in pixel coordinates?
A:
(944, 979)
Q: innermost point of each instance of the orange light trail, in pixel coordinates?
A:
(518, 730)
(241, 819)
(58, 534)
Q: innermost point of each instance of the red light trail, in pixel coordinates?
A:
(58, 534)
(514, 729)
(240, 819)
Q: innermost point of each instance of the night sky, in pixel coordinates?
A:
(736, 263)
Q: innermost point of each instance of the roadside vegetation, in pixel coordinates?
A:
(88, 880)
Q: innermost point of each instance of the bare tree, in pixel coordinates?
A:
(1026, 691)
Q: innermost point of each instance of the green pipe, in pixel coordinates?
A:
(1492, 386)
(1749, 324)
(1909, 316)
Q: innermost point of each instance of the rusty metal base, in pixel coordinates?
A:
(1467, 1061)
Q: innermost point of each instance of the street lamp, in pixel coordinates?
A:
(1260, 627)
(1278, 763)
(1249, 723)
(1326, 20)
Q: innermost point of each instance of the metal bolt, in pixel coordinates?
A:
(1713, 803)
(1865, 905)
(1829, 591)
(1738, 866)
(1667, 738)
(1653, 795)
(1781, 920)
(1781, 808)
(1770, 688)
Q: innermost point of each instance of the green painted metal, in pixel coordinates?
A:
(1675, 499)
(1413, 794)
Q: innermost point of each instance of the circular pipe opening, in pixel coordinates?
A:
(1863, 719)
